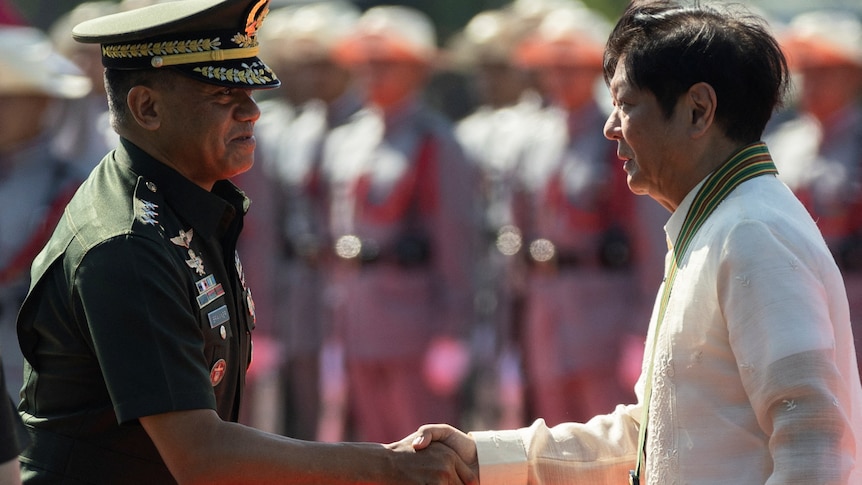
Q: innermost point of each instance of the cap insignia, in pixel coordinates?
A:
(255, 17)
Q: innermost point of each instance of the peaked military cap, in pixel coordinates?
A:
(214, 41)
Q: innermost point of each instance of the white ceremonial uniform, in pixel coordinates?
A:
(401, 186)
(755, 380)
(573, 196)
(288, 230)
(493, 140)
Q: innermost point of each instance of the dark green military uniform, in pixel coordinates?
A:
(138, 307)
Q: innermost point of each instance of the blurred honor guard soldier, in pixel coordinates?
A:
(402, 223)
(85, 133)
(578, 221)
(820, 149)
(493, 138)
(35, 184)
(137, 328)
(294, 204)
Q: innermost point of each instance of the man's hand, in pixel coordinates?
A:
(437, 462)
(462, 444)
(198, 447)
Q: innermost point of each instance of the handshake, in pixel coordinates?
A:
(441, 455)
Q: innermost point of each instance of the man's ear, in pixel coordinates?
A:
(702, 103)
(144, 106)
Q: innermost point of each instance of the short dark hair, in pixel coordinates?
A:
(118, 82)
(667, 48)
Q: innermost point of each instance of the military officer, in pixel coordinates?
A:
(137, 327)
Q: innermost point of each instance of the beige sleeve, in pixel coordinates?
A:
(601, 451)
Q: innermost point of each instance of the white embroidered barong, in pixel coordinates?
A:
(756, 379)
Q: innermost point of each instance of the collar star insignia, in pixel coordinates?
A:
(148, 220)
(148, 212)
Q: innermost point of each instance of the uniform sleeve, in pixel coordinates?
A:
(137, 310)
(599, 452)
(13, 435)
(775, 293)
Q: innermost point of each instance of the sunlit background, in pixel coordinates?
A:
(448, 15)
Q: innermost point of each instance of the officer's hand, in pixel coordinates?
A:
(461, 443)
(435, 464)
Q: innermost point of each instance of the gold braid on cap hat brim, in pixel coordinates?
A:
(198, 57)
(176, 52)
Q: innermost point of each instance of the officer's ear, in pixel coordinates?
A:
(144, 107)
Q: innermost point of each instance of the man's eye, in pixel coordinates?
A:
(226, 91)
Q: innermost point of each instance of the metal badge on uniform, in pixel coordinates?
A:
(148, 213)
(249, 301)
(196, 263)
(208, 291)
(239, 270)
(218, 316)
(217, 372)
(184, 239)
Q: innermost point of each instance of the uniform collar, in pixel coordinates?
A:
(210, 213)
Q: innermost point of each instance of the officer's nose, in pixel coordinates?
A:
(248, 109)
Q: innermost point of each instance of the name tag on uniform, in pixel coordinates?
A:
(218, 316)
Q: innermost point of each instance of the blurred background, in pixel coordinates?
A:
(449, 15)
